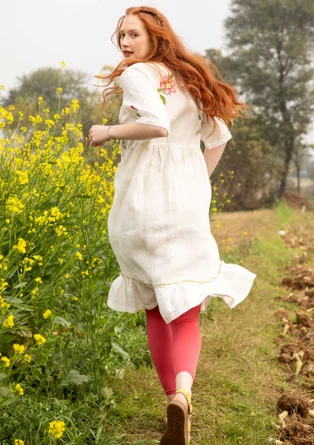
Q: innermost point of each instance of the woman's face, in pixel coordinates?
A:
(134, 38)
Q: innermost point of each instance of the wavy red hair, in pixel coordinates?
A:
(201, 78)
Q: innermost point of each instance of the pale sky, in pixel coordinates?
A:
(37, 33)
(42, 33)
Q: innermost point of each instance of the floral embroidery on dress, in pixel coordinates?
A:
(167, 86)
(138, 114)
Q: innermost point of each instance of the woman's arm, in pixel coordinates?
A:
(99, 134)
(212, 157)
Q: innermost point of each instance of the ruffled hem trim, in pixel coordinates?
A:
(176, 282)
(233, 283)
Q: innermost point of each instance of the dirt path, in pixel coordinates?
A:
(239, 379)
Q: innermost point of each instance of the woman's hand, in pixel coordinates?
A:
(98, 134)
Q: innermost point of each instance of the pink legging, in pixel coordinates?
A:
(174, 347)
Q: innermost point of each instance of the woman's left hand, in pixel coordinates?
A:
(98, 134)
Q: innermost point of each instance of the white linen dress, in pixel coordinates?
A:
(158, 225)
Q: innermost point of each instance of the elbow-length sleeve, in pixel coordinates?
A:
(141, 97)
(219, 136)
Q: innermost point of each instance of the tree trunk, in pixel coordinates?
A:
(298, 178)
(288, 156)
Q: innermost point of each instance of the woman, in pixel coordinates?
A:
(158, 224)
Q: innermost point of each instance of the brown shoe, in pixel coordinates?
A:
(178, 422)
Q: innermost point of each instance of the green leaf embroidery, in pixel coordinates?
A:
(160, 90)
(163, 99)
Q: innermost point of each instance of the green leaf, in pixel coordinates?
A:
(160, 90)
(118, 349)
(8, 401)
(163, 99)
(3, 376)
(75, 378)
(18, 286)
(107, 392)
(63, 322)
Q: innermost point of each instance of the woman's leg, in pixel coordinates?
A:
(186, 349)
(160, 344)
(175, 348)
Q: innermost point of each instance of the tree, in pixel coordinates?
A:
(43, 83)
(271, 59)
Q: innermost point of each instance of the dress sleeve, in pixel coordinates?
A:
(215, 138)
(140, 96)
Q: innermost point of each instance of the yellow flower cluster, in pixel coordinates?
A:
(40, 340)
(6, 361)
(22, 177)
(19, 442)
(18, 349)
(18, 388)
(75, 105)
(3, 303)
(21, 245)
(3, 284)
(14, 205)
(56, 428)
(9, 322)
(47, 314)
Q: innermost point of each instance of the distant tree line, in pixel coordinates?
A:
(270, 62)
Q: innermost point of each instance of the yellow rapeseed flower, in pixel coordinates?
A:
(9, 322)
(19, 442)
(3, 303)
(22, 177)
(63, 64)
(40, 340)
(2, 87)
(21, 245)
(6, 361)
(3, 284)
(245, 233)
(47, 314)
(38, 280)
(40, 100)
(61, 230)
(18, 388)
(14, 205)
(18, 349)
(27, 358)
(59, 90)
(79, 256)
(75, 105)
(56, 428)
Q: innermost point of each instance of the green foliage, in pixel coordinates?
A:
(273, 41)
(270, 62)
(59, 342)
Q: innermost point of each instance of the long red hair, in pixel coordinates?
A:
(200, 77)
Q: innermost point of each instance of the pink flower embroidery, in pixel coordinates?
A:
(167, 84)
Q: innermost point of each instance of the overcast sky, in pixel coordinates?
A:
(42, 33)
(37, 33)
